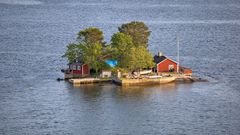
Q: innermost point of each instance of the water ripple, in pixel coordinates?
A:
(20, 2)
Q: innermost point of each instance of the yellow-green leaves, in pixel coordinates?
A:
(73, 52)
(120, 43)
(90, 35)
(138, 58)
(138, 31)
(91, 55)
(128, 47)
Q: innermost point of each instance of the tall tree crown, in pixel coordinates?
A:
(121, 42)
(138, 31)
(90, 35)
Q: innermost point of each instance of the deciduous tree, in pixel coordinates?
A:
(91, 35)
(73, 52)
(120, 44)
(138, 31)
(138, 58)
(91, 55)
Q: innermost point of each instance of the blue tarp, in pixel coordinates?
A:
(111, 63)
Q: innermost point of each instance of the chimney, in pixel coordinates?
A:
(160, 54)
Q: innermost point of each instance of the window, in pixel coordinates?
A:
(74, 67)
(78, 67)
(171, 68)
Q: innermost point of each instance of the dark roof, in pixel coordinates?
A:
(76, 63)
(158, 59)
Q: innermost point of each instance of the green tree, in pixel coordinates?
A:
(89, 53)
(73, 52)
(120, 44)
(138, 58)
(138, 31)
(91, 35)
(129, 47)
(92, 53)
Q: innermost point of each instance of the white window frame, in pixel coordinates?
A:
(78, 67)
(74, 67)
(170, 67)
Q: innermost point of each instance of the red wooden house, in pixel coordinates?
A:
(77, 69)
(165, 64)
(186, 71)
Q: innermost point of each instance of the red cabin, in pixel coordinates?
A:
(165, 64)
(186, 71)
(79, 69)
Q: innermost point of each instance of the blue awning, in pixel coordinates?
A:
(111, 63)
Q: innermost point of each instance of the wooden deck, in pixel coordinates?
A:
(88, 80)
(145, 81)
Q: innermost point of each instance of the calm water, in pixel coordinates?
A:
(33, 36)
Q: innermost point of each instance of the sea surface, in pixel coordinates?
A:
(34, 35)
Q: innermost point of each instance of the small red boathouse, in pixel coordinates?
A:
(165, 64)
(79, 69)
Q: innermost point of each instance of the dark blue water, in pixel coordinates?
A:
(33, 36)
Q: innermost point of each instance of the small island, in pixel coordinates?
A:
(126, 60)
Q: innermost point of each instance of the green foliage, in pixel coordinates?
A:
(73, 52)
(88, 48)
(138, 58)
(108, 50)
(130, 57)
(120, 44)
(105, 66)
(90, 35)
(128, 47)
(91, 55)
(138, 31)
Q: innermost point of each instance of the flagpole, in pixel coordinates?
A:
(178, 54)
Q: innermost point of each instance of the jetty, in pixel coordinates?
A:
(175, 78)
(143, 81)
(88, 80)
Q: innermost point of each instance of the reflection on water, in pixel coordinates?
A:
(146, 90)
(97, 90)
(20, 2)
(89, 90)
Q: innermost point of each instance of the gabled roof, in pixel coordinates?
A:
(76, 63)
(158, 59)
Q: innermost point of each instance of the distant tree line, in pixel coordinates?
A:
(128, 47)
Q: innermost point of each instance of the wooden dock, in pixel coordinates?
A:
(144, 81)
(88, 80)
(185, 78)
